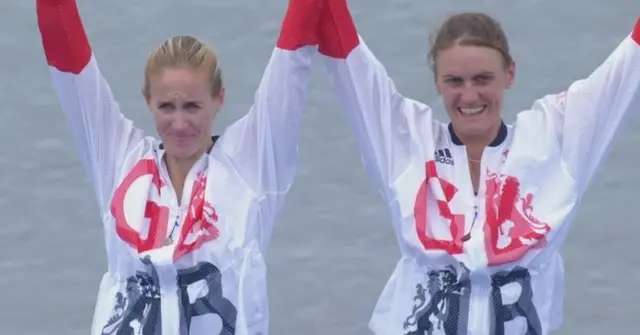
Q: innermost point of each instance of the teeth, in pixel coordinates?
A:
(471, 111)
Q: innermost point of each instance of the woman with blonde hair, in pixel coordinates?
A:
(187, 219)
(481, 209)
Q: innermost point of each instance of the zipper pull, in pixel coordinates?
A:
(467, 236)
(169, 239)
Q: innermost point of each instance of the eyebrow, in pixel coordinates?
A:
(171, 103)
(486, 73)
(481, 74)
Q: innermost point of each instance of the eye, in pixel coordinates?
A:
(192, 106)
(454, 81)
(483, 79)
(166, 107)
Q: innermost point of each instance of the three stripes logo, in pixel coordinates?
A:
(443, 156)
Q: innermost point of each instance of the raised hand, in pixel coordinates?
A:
(300, 25)
(337, 32)
(63, 37)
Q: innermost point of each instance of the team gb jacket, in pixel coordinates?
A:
(210, 278)
(486, 264)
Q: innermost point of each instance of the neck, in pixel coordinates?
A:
(474, 154)
(179, 168)
(476, 144)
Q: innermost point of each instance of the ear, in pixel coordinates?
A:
(221, 97)
(147, 97)
(147, 100)
(436, 83)
(511, 74)
(219, 101)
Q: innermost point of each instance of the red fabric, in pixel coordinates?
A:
(338, 34)
(636, 32)
(300, 24)
(63, 37)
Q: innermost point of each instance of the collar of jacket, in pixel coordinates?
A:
(213, 138)
(502, 135)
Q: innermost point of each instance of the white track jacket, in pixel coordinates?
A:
(211, 278)
(486, 264)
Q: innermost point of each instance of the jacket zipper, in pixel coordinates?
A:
(169, 239)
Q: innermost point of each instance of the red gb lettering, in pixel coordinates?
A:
(199, 225)
(158, 215)
(423, 223)
(510, 229)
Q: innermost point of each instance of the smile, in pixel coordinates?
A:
(472, 111)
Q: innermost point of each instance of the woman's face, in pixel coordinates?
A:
(183, 108)
(472, 81)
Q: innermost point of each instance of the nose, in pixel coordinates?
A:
(179, 123)
(468, 95)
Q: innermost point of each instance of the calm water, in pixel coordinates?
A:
(333, 248)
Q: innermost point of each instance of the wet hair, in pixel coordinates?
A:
(184, 52)
(470, 29)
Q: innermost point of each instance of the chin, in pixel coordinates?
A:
(181, 151)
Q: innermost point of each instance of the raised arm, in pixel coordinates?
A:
(380, 116)
(263, 144)
(589, 113)
(102, 135)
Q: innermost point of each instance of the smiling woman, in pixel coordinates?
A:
(481, 208)
(472, 67)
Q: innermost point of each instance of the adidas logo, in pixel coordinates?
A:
(443, 156)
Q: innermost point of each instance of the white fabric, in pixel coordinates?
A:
(552, 151)
(250, 169)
